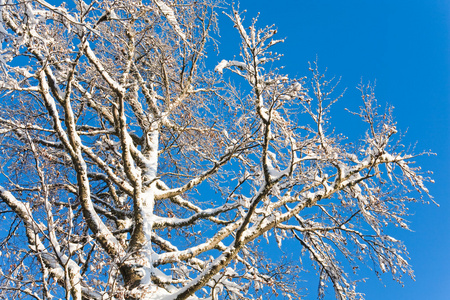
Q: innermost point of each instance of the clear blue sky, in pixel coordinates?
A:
(404, 46)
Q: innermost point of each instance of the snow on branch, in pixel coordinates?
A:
(168, 12)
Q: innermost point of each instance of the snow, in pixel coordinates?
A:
(148, 219)
(225, 133)
(2, 29)
(170, 16)
(151, 161)
(297, 86)
(113, 15)
(96, 62)
(273, 172)
(264, 112)
(224, 64)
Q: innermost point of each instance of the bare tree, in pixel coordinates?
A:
(131, 171)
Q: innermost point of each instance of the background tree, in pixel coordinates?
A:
(130, 170)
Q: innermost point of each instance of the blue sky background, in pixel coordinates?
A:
(403, 46)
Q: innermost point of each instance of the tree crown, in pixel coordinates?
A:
(132, 171)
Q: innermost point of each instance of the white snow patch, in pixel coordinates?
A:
(227, 64)
(170, 16)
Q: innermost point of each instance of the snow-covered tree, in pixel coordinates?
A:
(129, 170)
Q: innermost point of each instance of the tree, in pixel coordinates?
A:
(132, 171)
